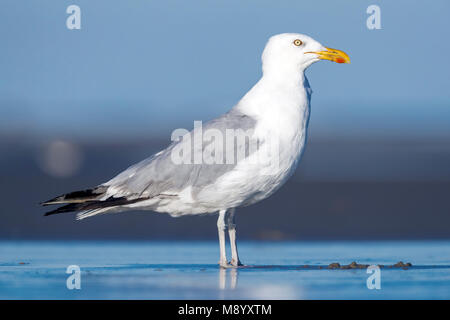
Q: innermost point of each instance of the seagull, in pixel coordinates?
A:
(198, 173)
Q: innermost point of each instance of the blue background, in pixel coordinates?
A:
(377, 163)
(140, 68)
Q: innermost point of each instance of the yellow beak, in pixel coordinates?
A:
(333, 55)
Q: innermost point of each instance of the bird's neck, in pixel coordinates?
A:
(284, 78)
(277, 92)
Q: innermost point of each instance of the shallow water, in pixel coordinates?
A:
(187, 270)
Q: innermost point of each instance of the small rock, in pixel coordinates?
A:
(401, 264)
(334, 265)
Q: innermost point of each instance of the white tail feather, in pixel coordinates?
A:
(89, 213)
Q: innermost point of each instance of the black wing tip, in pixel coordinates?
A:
(51, 201)
(66, 208)
(56, 211)
(92, 205)
(87, 195)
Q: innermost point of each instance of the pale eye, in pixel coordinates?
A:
(298, 42)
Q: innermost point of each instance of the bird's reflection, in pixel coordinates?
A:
(233, 272)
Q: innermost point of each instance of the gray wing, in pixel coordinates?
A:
(159, 174)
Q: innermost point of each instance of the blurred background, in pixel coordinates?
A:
(79, 106)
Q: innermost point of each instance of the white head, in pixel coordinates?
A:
(293, 52)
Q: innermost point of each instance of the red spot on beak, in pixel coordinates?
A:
(340, 60)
